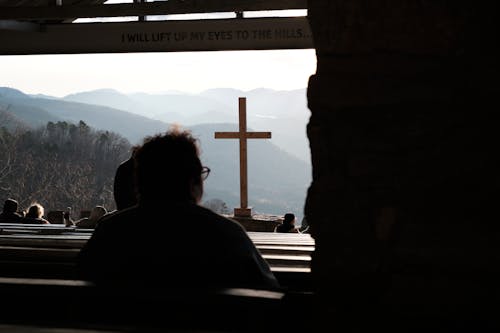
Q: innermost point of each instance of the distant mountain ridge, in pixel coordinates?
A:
(284, 113)
(35, 111)
(271, 190)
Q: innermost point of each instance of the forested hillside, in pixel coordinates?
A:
(278, 180)
(59, 165)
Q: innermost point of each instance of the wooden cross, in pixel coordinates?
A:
(243, 135)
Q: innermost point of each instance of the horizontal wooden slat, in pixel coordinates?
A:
(146, 9)
(43, 227)
(288, 260)
(278, 249)
(14, 240)
(42, 282)
(46, 255)
(291, 270)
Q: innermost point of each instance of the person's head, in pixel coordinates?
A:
(35, 210)
(289, 219)
(10, 206)
(97, 212)
(168, 166)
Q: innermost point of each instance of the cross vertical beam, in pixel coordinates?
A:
(242, 135)
(243, 152)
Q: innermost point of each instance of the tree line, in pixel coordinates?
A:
(59, 165)
(63, 165)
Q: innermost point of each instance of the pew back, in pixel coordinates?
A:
(51, 251)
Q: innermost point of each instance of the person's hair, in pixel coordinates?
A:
(167, 166)
(97, 212)
(35, 210)
(288, 218)
(10, 206)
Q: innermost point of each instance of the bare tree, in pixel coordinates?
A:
(217, 205)
(60, 165)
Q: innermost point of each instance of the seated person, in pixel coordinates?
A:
(87, 222)
(168, 239)
(9, 213)
(288, 224)
(123, 187)
(35, 215)
(304, 227)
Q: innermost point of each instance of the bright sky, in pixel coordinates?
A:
(192, 72)
(59, 75)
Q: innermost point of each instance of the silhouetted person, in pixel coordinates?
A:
(288, 224)
(87, 222)
(304, 226)
(124, 184)
(9, 213)
(35, 215)
(168, 238)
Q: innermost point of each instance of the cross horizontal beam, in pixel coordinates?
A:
(248, 135)
(145, 9)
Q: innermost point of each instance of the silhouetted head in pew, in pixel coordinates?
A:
(87, 222)
(35, 214)
(124, 189)
(9, 213)
(288, 224)
(168, 167)
(10, 206)
(169, 239)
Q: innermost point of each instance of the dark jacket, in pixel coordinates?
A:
(10, 218)
(180, 244)
(286, 228)
(123, 186)
(35, 220)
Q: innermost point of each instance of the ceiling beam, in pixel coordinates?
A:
(161, 36)
(18, 26)
(145, 9)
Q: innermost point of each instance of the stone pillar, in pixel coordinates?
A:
(403, 140)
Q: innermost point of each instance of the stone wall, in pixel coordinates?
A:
(403, 140)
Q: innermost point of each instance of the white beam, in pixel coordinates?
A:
(145, 9)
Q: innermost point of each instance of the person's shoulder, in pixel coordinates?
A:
(119, 216)
(33, 220)
(218, 219)
(125, 165)
(85, 223)
(10, 218)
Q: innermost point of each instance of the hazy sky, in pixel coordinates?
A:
(59, 75)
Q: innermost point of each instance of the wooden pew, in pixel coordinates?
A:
(54, 255)
(48, 229)
(77, 304)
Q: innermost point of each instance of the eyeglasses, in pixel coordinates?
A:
(205, 171)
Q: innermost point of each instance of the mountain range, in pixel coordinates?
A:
(279, 169)
(284, 113)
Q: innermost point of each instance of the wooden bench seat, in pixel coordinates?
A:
(81, 305)
(45, 241)
(7, 228)
(46, 255)
(284, 249)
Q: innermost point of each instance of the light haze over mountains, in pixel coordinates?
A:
(284, 113)
(279, 169)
